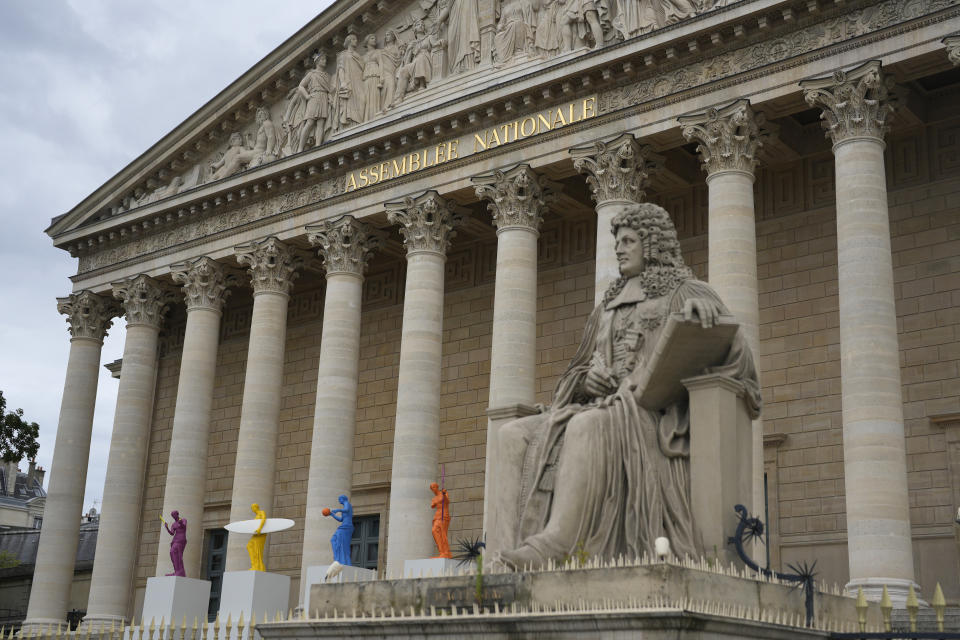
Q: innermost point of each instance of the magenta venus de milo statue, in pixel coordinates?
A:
(178, 543)
(341, 537)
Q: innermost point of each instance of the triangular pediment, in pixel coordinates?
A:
(352, 68)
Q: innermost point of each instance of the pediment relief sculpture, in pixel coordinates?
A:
(429, 41)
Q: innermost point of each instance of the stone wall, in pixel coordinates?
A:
(799, 361)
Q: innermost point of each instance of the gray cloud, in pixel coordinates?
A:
(89, 85)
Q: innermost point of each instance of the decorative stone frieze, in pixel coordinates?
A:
(855, 103)
(272, 265)
(205, 282)
(145, 301)
(952, 43)
(518, 197)
(426, 222)
(345, 244)
(729, 137)
(618, 169)
(88, 315)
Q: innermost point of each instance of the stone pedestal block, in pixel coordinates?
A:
(174, 599)
(430, 567)
(250, 592)
(721, 457)
(317, 575)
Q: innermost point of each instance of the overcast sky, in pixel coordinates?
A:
(86, 86)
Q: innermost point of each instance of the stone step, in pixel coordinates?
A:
(926, 620)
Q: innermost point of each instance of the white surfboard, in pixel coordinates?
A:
(272, 525)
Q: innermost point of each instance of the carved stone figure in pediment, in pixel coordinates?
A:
(516, 29)
(636, 17)
(308, 108)
(548, 38)
(389, 62)
(578, 19)
(349, 96)
(233, 159)
(265, 147)
(416, 69)
(462, 19)
(372, 78)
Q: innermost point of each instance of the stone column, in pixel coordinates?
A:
(272, 267)
(89, 316)
(729, 138)
(617, 171)
(145, 302)
(517, 201)
(952, 43)
(205, 284)
(345, 245)
(855, 108)
(426, 224)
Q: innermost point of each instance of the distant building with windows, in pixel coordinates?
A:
(22, 498)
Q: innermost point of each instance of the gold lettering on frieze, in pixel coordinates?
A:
(490, 138)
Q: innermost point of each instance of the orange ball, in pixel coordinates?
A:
(326, 511)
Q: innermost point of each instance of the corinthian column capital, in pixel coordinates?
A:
(618, 169)
(518, 197)
(272, 265)
(729, 137)
(345, 244)
(952, 43)
(855, 103)
(145, 300)
(426, 222)
(88, 315)
(204, 281)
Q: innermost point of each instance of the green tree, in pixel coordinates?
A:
(18, 438)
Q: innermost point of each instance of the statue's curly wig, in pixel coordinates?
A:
(663, 262)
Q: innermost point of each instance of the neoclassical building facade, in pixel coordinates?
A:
(350, 268)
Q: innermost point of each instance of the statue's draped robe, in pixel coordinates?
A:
(350, 95)
(638, 478)
(463, 34)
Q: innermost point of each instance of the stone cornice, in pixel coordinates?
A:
(345, 244)
(854, 103)
(145, 300)
(205, 283)
(272, 265)
(426, 222)
(815, 37)
(728, 137)
(518, 197)
(88, 315)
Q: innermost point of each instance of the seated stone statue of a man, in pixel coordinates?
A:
(597, 472)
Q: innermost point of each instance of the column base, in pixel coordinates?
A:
(38, 626)
(174, 598)
(897, 588)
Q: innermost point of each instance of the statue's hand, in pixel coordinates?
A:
(702, 309)
(599, 383)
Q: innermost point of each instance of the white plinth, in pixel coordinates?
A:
(318, 573)
(173, 598)
(254, 592)
(430, 567)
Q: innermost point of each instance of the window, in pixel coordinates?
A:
(365, 543)
(37, 523)
(216, 563)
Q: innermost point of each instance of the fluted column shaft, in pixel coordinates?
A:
(517, 200)
(426, 225)
(272, 270)
(345, 246)
(618, 171)
(89, 316)
(729, 138)
(145, 302)
(855, 106)
(204, 283)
